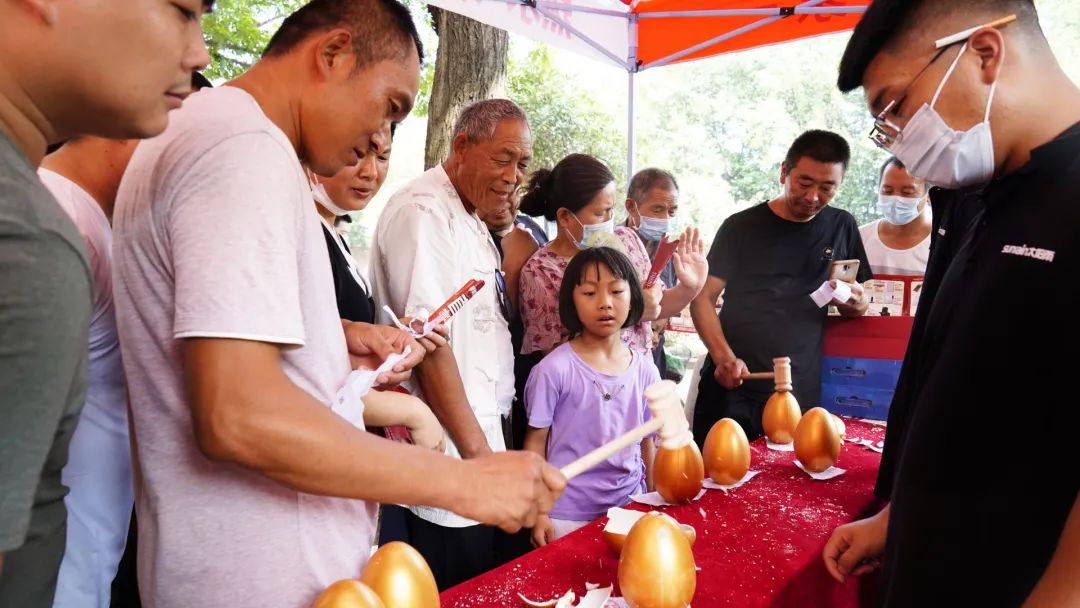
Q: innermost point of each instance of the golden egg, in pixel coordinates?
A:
(781, 417)
(727, 452)
(817, 444)
(398, 574)
(841, 428)
(657, 569)
(615, 541)
(679, 473)
(348, 594)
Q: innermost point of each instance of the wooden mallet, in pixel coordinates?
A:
(678, 468)
(782, 413)
(781, 374)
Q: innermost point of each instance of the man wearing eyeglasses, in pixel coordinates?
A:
(767, 260)
(968, 94)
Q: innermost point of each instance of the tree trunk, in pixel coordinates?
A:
(470, 66)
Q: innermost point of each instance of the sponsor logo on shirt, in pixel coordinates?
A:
(826, 254)
(1043, 255)
(941, 231)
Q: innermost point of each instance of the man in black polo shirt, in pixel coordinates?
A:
(982, 512)
(767, 261)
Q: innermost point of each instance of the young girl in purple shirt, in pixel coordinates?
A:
(590, 390)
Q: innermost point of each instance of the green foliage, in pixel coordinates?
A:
(563, 118)
(238, 30)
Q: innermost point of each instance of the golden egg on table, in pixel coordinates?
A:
(817, 444)
(781, 417)
(348, 594)
(615, 541)
(841, 428)
(727, 452)
(398, 574)
(657, 569)
(679, 473)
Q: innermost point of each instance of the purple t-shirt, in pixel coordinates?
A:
(564, 393)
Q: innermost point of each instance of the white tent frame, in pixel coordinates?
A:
(632, 65)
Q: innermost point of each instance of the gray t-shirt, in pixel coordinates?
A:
(45, 301)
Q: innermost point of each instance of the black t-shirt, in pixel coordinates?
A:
(987, 474)
(953, 213)
(771, 266)
(353, 301)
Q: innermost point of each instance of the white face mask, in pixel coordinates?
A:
(898, 210)
(941, 155)
(322, 197)
(654, 229)
(590, 238)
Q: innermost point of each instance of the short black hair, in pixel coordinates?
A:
(572, 184)
(888, 23)
(199, 82)
(646, 180)
(889, 162)
(822, 146)
(574, 275)
(381, 29)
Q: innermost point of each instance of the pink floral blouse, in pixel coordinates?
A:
(541, 278)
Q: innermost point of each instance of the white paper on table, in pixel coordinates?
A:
(712, 485)
(827, 293)
(349, 402)
(828, 473)
(869, 444)
(618, 602)
(654, 499)
(620, 521)
(780, 447)
(595, 598)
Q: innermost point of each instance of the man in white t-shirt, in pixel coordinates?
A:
(899, 242)
(84, 175)
(255, 485)
(429, 242)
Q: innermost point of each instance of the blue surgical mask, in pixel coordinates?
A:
(588, 237)
(898, 210)
(654, 229)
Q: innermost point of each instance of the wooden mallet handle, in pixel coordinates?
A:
(610, 448)
(758, 376)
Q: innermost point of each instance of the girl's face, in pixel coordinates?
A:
(602, 301)
(353, 187)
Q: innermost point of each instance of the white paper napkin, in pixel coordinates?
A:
(654, 499)
(828, 473)
(780, 447)
(826, 293)
(712, 485)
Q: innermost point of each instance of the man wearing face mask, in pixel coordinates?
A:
(899, 242)
(651, 203)
(969, 93)
(766, 261)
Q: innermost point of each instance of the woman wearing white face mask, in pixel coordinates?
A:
(579, 194)
(899, 242)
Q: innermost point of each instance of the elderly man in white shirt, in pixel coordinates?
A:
(428, 243)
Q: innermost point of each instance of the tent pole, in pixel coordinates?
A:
(630, 126)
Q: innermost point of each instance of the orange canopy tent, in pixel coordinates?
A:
(636, 35)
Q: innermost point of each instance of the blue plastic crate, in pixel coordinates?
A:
(880, 374)
(856, 401)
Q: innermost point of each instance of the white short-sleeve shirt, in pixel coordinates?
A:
(216, 236)
(886, 260)
(426, 247)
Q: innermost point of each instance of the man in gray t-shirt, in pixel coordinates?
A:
(44, 315)
(112, 69)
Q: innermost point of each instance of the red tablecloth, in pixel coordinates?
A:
(759, 545)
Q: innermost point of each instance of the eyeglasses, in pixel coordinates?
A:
(885, 132)
(500, 290)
